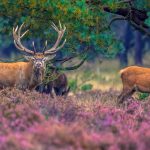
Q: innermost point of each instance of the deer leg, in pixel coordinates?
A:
(40, 88)
(49, 90)
(125, 94)
(65, 93)
(58, 91)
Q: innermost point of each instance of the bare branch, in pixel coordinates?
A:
(115, 19)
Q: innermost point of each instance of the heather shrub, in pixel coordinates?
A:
(85, 121)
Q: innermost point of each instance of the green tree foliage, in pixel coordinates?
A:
(85, 23)
(142, 5)
(148, 20)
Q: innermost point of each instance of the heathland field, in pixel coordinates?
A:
(85, 120)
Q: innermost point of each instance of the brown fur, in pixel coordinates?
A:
(59, 85)
(134, 78)
(27, 75)
(19, 75)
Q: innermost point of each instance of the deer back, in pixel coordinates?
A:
(135, 76)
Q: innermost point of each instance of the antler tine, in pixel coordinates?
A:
(69, 68)
(58, 48)
(16, 29)
(61, 31)
(24, 33)
(17, 37)
(60, 25)
(33, 47)
(45, 46)
(17, 45)
(64, 27)
(19, 30)
(61, 46)
(83, 53)
(55, 27)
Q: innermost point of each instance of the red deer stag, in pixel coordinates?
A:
(134, 78)
(27, 75)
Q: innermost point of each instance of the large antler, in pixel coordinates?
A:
(56, 47)
(17, 39)
(69, 68)
(63, 60)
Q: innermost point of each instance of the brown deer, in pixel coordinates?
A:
(58, 82)
(134, 78)
(27, 75)
(60, 85)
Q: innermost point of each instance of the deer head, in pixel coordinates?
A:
(39, 59)
(30, 74)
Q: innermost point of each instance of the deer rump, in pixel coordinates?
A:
(134, 78)
(59, 85)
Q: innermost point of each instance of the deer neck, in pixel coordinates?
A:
(36, 75)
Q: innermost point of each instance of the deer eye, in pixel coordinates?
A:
(33, 59)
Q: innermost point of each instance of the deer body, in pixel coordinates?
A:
(134, 78)
(20, 75)
(59, 85)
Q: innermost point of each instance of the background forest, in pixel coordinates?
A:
(109, 28)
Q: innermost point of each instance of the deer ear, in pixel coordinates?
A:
(29, 57)
(50, 57)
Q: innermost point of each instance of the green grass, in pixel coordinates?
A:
(102, 76)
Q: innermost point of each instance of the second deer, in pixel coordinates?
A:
(58, 83)
(134, 78)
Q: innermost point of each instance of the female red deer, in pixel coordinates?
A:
(27, 75)
(134, 78)
(57, 82)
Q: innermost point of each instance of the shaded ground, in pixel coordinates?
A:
(86, 121)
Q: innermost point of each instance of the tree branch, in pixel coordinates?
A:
(135, 16)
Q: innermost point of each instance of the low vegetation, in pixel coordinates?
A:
(89, 120)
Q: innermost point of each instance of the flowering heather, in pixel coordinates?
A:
(86, 121)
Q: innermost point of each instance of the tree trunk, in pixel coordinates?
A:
(126, 41)
(138, 48)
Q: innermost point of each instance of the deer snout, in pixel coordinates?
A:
(38, 65)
